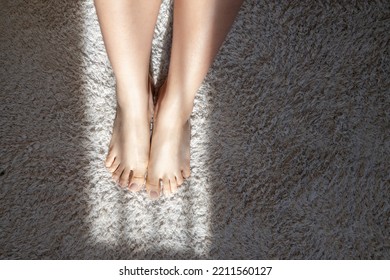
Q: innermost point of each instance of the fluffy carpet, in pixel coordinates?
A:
(290, 138)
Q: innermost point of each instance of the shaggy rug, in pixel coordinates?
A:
(290, 139)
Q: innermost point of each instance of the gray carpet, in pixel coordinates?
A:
(290, 141)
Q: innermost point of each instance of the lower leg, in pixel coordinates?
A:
(127, 27)
(199, 29)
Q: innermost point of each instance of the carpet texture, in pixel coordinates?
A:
(290, 141)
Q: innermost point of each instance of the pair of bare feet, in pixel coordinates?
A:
(199, 29)
(160, 160)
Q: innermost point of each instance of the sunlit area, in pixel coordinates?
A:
(119, 220)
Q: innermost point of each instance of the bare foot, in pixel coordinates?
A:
(169, 161)
(128, 154)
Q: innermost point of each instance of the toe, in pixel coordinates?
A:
(153, 188)
(110, 159)
(179, 180)
(117, 174)
(137, 181)
(124, 179)
(114, 166)
(173, 184)
(166, 186)
(186, 173)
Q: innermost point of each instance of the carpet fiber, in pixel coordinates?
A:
(290, 139)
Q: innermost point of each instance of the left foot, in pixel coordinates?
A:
(169, 161)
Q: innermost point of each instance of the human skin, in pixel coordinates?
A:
(199, 29)
(127, 27)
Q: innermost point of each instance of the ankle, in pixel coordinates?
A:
(178, 99)
(127, 91)
(133, 82)
(173, 112)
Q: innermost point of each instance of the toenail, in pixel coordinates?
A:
(153, 195)
(133, 187)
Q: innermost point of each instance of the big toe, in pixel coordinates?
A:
(137, 181)
(153, 188)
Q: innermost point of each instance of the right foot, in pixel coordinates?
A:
(128, 154)
(169, 161)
